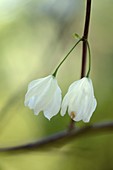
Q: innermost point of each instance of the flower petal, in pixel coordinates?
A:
(37, 89)
(54, 105)
(88, 114)
(44, 98)
(64, 105)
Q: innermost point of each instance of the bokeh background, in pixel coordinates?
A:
(34, 37)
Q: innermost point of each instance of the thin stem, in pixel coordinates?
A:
(84, 49)
(85, 35)
(55, 72)
(87, 75)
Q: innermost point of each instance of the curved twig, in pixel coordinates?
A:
(63, 137)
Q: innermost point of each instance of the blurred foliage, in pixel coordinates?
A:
(34, 37)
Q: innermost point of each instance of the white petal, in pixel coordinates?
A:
(88, 114)
(36, 94)
(54, 105)
(44, 97)
(68, 99)
(38, 81)
(64, 105)
(37, 89)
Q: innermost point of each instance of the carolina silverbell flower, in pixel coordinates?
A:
(80, 100)
(44, 95)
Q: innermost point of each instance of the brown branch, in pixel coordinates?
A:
(63, 137)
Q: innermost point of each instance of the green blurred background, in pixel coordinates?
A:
(34, 36)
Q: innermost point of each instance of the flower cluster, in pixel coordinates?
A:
(45, 95)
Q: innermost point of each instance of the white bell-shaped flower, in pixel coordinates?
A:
(80, 100)
(44, 95)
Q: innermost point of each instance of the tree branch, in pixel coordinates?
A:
(63, 137)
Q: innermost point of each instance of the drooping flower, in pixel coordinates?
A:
(80, 100)
(44, 95)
